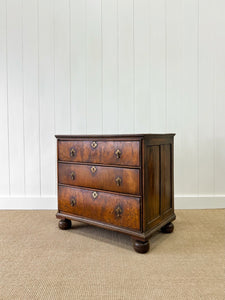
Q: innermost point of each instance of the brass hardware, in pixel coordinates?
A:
(118, 211)
(118, 153)
(118, 181)
(94, 145)
(72, 152)
(93, 169)
(73, 201)
(72, 175)
(94, 195)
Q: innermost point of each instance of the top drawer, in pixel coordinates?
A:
(104, 152)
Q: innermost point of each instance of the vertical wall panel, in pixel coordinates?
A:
(15, 96)
(173, 84)
(141, 65)
(94, 67)
(165, 169)
(126, 66)
(206, 98)
(4, 149)
(78, 66)
(46, 97)
(219, 130)
(157, 65)
(31, 103)
(110, 66)
(189, 97)
(62, 66)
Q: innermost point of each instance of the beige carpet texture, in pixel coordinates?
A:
(40, 261)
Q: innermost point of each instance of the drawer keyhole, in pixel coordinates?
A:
(94, 195)
(93, 169)
(94, 145)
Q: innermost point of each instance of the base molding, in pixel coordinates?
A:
(199, 201)
(28, 202)
(50, 202)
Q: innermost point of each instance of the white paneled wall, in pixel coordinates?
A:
(111, 66)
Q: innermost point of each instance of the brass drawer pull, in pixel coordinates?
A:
(118, 181)
(73, 201)
(118, 211)
(93, 169)
(94, 195)
(72, 175)
(118, 153)
(72, 152)
(94, 145)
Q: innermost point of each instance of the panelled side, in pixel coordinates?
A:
(166, 177)
(152, 185)
(158, 194)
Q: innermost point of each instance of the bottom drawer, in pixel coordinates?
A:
(102, 206)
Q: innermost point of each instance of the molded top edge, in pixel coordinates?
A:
(115, 135)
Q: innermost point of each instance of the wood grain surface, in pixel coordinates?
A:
(104, 152)
(103, 178)
(106, 207)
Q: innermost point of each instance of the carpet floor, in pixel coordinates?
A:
(40, 261)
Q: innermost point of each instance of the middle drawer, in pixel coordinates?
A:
(122, 180)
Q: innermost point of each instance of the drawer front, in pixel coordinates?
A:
(105, 207)
(105, 152)
(122, 180)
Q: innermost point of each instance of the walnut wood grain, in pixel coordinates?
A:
(105, 178)
(121, 182)
(110, 208)
(104, 152)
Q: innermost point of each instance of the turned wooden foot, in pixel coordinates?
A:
(141, 247)
(168, 228)
(64, 224)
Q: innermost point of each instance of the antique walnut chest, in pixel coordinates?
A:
(119, 182)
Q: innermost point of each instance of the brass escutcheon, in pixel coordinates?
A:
(72, 152)
(93, 169)
(94, 145)
(118, 181)
(94, 195)
(73, 201)
(118, 153)
(118, 211)
(72, 175)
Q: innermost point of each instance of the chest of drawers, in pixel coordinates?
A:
(119, 182)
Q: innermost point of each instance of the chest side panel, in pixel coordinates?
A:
(158, 202)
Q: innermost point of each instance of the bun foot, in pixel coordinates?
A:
(141, 247)
(64, 224)
(168, 228)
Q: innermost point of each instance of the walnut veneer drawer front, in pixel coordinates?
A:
(110, 208)
(119, 182)
(104, 152)
(122, 180)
